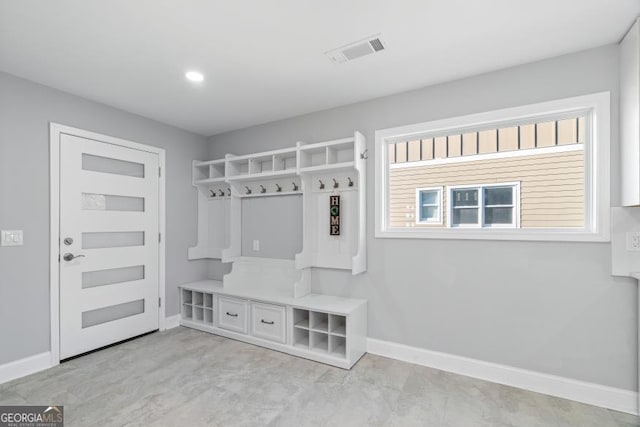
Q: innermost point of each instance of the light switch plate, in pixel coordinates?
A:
(633, 240)
(11, 238)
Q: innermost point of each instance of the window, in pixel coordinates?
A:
(429, 205)
(494, 205)
(536, 172)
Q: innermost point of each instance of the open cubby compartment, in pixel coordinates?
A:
(217, 169)
(198, 298)
(338, 324)
(319, 342)
(341, 151)
(200, 171)
(198, 314)
(237, 166)
(312, 155)
(301, 318)
(187, 311)
(319, 321)
(338, 346)
(285, 161)
(208, 300)
(187, 296)
(208, 172)
(301, 338)
(208, 316)
(261, 164)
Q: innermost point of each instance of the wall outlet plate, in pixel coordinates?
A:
(256, 245)
(633, 240)
(12, 238)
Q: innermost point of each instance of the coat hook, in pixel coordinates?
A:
(262, 189)
(365, 154)
(221, 193)
(278, 188)
(321, 184)
(248, 190)
(213, 194)
(335, 183)
(350, 182)
(295, 187)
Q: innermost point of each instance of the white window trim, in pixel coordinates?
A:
(597, 173)
(516, 205)
(437, 221)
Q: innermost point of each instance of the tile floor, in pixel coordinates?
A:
(184, 377)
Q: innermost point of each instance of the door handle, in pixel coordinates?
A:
(232, 314)
(267, 323)
(70, 257)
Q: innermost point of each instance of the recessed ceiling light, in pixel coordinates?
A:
(194, 76)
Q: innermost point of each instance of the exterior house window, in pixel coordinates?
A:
(485, 205)
(535, 172)
(429, 205)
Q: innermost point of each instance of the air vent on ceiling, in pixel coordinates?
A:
(357, 49)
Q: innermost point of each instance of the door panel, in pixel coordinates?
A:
(109, 220)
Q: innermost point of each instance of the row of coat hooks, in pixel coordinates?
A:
(263, 189)
(336, 184)
(220, 193)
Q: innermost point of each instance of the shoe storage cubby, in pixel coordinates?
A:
(323, 328)
(320, 332)
(197, 307)
(208, 172)
(329, 155)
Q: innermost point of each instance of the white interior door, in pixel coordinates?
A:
(109, 251)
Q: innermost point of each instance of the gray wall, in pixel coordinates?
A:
(276, 222)
(26, 109)
(548, 307)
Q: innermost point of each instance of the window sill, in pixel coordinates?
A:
(494, 234)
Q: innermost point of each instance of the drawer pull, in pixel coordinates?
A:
(232, 314)
(267, 323)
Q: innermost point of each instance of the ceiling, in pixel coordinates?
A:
(263, 60)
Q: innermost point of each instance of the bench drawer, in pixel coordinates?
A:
(268, 322)
(233, 314)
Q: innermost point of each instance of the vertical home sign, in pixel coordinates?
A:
(334, 215)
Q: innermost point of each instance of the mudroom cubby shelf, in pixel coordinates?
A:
(197, 307)
(317, 171)
(268, 302)
(323, 328)
(252, 167)
(320, 332)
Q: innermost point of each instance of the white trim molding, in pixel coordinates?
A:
(172, 322)
(566, 388)
(597, 112)
(26, 366)
(55, 131)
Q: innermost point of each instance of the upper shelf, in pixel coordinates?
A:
(338, 155)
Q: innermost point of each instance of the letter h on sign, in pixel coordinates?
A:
(334, 215)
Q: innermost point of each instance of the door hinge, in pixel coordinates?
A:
(159, 237)
(159, 172)
(159, 302)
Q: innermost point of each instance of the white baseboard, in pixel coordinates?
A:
(580, 391)
(171, 322)
(22, 367)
